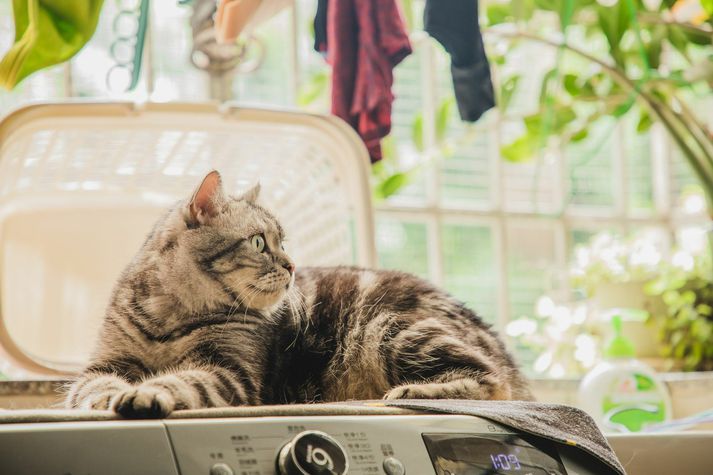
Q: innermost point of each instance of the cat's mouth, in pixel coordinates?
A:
(266, 291)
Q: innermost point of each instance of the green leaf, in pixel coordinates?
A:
(570, 84)
(614, 22)
(579, 135)
(644, 123)
(552, 5)
(389, 151)
(655, 287)
(671, 297)
(622, 108)
(707, 6)
(522, 10)
(653, 46)
(549, 121)
(417, 132)
(498, 13)
(678, 39)
(443, 117)
(393, 184)
(544, 86)
(522, 149)
(689, 297)
(701, 39)
(704, 309)
(507, 90)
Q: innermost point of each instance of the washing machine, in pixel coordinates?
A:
(391, 443)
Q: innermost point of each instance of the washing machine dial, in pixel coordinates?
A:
(312, 453)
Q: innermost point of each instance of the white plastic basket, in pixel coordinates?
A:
(81, 184)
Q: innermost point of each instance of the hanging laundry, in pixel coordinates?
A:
(366, 39)
(320, 27)
(454, 24)
(47, 33)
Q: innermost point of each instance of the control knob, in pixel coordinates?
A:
(312, 453)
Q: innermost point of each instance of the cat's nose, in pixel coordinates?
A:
(290, 267)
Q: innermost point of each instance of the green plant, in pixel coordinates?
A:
(687, 327)
(656, 65)
(568, 336)
(643, 60)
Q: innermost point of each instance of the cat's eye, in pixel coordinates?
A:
(258, 242)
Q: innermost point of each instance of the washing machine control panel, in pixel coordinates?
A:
(367, 445)
(288, 445)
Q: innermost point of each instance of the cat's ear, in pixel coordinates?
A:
(251, 195)
(207, 199)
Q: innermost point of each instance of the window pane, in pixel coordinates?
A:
(92, 64)
(469, 267)
(531, 263)
(270, 83)
(591, 167)
(639, 169)
(402, 245)
(682, 177)
(175, 76)
(465, 167)
(405, 131)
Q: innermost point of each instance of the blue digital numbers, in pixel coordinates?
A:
(505, 461)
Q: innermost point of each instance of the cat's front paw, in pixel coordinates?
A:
(143, 402)
(100, 402)
(423, 391)
(414, 391)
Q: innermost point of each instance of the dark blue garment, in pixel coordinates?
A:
(454, 24)
(320, 27)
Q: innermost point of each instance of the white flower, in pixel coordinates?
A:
(543, 362)
(693, 240)
(562, 318)
(644, 254)
(545, 306)
(694, 204)
(586, 350)
(579, 315)
(521, 326)
(683, 260)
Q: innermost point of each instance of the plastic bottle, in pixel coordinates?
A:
(621, 393)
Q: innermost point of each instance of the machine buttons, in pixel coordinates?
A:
(312, 453)
(393, 466)
(221, 469)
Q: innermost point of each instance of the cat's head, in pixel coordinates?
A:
(225, 249)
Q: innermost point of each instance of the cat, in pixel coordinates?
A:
(211, 313)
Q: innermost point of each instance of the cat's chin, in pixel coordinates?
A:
(261, 299)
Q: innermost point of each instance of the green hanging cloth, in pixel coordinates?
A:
(47, 32)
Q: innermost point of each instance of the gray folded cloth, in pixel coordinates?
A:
(563, 424)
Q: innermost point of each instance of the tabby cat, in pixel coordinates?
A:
(211, 313)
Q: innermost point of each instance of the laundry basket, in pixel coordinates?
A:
(82, 183)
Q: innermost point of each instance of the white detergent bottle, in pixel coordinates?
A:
(621, 393)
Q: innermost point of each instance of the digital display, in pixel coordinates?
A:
(492, 454)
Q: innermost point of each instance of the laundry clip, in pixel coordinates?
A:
(127, 50)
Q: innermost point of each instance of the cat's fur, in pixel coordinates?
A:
(200, 318)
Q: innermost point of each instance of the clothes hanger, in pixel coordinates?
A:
(129, 27)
